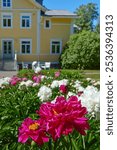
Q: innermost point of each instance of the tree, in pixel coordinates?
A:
(82, 51)
(86, 16)
(97, 27)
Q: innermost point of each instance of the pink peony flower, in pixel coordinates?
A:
(63, 116)
(57, 74)
(32, 129)
(14, 80)
(63, 89)
(24, 79)
(36, 79)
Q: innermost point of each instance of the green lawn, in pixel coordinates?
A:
(94, 74)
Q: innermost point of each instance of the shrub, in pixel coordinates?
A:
(82, 52)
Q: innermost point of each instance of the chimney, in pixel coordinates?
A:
(40, 1)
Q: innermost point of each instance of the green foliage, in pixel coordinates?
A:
(86, 16)
(68, 74)
(16, 105)
(83, 51)
(26, 73)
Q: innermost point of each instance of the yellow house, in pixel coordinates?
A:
(30, 32)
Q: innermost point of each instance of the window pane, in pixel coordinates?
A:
(28, 48)
(5, 47)
(4, 23)
(5, 51)
(27, 23)
(23, 49)
(9, 45)
(53, 49)
(58, 49)
(23, 23)
(55, 42)
(4, 4)
(9, 51)
(9, 22)
(47, 24)
(8, 4)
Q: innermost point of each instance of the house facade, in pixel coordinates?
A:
(30, 32)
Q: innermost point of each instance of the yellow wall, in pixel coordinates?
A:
(60, 29)
(16, 33)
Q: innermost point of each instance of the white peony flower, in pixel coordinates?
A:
(96, 83)
(63, 82)
(35, 84)
(43, 77)
(70, 94)
(44, 93)
(77, 84)
(88, 79)
(4, 81)
(29, 83)
(91, 99)
(25, 83)
(55, 84)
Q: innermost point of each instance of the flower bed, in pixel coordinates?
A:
(49, 110)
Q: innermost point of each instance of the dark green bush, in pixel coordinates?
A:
(82, 52)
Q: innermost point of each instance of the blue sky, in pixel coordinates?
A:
(70, 5)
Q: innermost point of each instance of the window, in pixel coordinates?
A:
(7, 21)
(47, 24)
(26, 46)
(25, 21)
(56, 47)
(6, 3)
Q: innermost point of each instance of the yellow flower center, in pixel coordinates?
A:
(34, 126)
(55, 113)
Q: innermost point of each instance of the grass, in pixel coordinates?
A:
(94, 74)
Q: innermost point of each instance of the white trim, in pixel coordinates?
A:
(72, 27)
(30, 20)
(28, 40)
(58, 40)
(7, 14)
(6, 7)
(50, 23)
(38, 32)
(61, 16)
(7, 39)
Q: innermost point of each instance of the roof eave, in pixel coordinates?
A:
(61, 16)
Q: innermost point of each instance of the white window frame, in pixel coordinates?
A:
(7, 14)
(55, 40)
(30, 20)
(6, 7)
(27, 40)
(50, 24)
